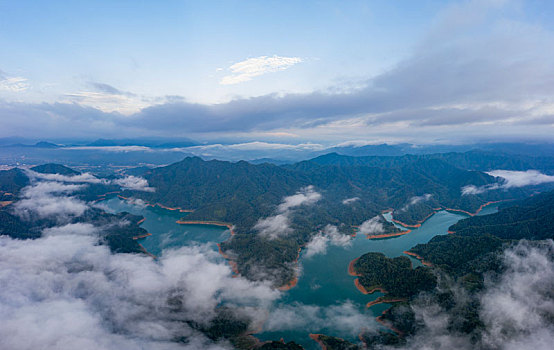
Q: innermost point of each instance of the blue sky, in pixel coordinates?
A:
(286, 71)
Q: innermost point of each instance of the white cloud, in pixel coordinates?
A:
(13, 84)
(43, 200)
(278, 225)
(108, 102)
(305, 196)
(521, 178)
(373, 226)
(415, 200)
(330, 235)
(350, 200)
(81, 178)
(472, 189)
(134, 183)
(64, 291)
(510, 179)
(274, 226)
(516, 310)
(345, 318)
(253, 67)
(80, 228)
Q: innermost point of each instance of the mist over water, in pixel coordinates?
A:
(325, 300)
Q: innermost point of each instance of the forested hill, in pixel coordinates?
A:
(466, 256)
(12, 181)
(52, 168)
(532, 218)
(475, 242)
(240, 193)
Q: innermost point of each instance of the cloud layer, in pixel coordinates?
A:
(517, 307)
(278, 225)
(64, 291)
(330, 235)
(253, 67)
(373, 226)
(510, 179)
(345, 318)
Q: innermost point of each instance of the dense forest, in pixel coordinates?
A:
(242, 193)
(466, 256)
(394, 276)
(118, 229)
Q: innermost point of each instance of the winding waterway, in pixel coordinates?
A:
(165, 231)
(324, 283)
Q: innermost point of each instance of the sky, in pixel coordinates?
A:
(278, 71)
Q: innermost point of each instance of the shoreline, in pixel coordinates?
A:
(233, 264)
(418, 257)
(150, 204)
(380, 300)
(359, 286)
(419, 223)
(289, 285)
(436, 210)
(388, 235)
(351, 269)
(384, 300)
(294, 281)
(315, 337)
(147, 234)
(147, 252)
(478, 210)
(388, 324)
(363, 289)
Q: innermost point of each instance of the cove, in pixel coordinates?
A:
(324, 283)
(165, 232)
(324, 289)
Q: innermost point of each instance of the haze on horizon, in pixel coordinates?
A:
(278, 71)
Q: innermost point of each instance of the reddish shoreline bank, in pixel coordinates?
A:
(387, 324)
(362, 289)
(293, 282)
(420, 222)
(387, 235)
(315, 337)
(142, 236)
(384, 300)
(478, 210)
(351, 269)
(232, 263)
(426, 263)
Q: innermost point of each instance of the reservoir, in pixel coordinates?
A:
(325, 290)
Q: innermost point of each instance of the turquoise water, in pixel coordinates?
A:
(324, 281)
(166, 233)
